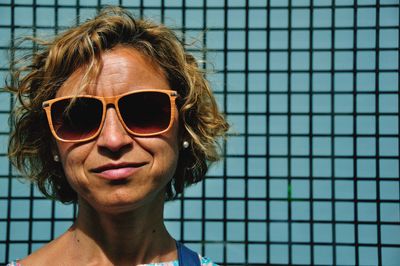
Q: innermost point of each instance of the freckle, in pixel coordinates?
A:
(154, 230)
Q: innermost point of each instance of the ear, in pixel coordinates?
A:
(185, 144)
(54, 151)
(183, 138)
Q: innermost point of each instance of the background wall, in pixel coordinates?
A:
(311, 169)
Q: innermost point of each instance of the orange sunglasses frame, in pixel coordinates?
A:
(46, 105)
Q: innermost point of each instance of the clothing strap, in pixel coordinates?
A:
(186, 256)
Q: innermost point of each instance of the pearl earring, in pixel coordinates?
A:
(185, 144)
(56, 158)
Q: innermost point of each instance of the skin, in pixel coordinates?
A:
(120, 222)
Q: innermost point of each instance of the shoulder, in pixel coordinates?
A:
(204, 261)
(14, 263)
(186, 254)
(45, 255)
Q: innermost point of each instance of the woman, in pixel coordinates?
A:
(115, 116)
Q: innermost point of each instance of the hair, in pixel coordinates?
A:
(55, 60)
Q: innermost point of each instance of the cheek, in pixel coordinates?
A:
(173, 144)
(165, 152)
(73, 158)
(165, 156)
(168, 159)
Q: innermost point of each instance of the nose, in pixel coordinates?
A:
(113, 136)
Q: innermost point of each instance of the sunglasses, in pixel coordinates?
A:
(80, 118)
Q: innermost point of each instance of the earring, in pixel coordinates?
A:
(56, 158)
(185, 144)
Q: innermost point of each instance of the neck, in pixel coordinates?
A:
(123, 238)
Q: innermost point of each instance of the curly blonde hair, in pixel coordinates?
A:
(200, 121)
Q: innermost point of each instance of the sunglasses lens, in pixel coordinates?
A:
(146, 112)
(78, 121)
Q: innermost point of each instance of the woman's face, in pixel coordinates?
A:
(116, 171)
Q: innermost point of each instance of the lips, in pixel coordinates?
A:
(117, 171)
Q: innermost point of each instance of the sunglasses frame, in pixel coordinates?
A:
(106, 101)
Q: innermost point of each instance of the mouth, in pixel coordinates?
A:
(117, 171)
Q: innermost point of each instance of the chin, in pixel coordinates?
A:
(122, 201)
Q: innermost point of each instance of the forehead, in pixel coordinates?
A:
(121, 70)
